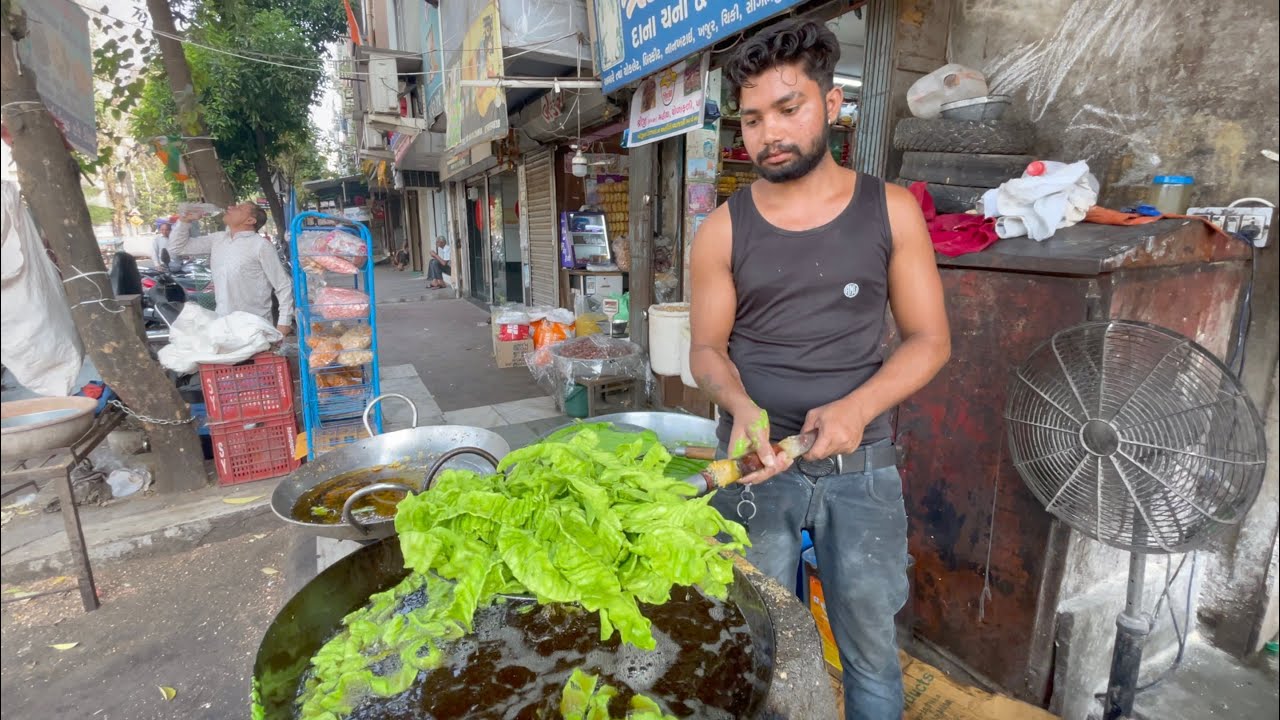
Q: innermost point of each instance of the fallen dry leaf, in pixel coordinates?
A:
(241, 500)
(269, 571)
(64, 646)
(168, 692)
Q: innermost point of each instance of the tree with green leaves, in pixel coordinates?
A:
(50, 178)
(256, 67)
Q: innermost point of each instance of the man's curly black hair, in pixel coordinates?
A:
(807, 42)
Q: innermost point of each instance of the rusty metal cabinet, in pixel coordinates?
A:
(1003, 302)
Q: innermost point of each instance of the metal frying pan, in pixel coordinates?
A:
(312, 616)
(395, 456)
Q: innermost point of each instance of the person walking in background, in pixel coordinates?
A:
(439, 266)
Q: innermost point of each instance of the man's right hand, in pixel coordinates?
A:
(751, 434)
(190, 216)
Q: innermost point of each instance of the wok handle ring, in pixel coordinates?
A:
(347, 507)
(446, 457)
(369, 428)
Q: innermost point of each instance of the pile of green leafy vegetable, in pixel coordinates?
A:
(587, 518)
(585, 698)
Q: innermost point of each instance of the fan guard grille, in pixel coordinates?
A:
(1135, 436)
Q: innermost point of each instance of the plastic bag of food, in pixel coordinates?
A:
(340, 377)
(324, 350)
(548, 333)
(334, 303)
(512, 322)
(557, 368)
(350, 358)
(588, 324)
(334, 264)
(357, 338)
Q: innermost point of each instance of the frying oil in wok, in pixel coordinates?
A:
(516, 662)
(323, 503)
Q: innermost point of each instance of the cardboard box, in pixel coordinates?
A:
(513, 353)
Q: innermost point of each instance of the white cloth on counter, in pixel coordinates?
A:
(245, 270)
(200, 336)
(1038, 205)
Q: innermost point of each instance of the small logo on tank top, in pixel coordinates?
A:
(851, 290)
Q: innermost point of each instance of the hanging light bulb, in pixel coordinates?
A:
(579, 164)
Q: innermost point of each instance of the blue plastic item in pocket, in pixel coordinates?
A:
(806, 542)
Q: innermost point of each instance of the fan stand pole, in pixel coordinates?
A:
(1132, 629)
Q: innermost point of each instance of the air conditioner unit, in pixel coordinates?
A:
(384, 85)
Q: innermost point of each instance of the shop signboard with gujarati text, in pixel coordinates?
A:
(670, 103)
(636, 38)
(473, 51)
(58, 50)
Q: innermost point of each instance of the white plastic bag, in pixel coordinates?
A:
(200, 336)
(41, 346)
(1038, 205)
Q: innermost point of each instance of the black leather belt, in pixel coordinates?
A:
(864, 459)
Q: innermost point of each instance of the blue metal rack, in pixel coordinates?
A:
(332, 414)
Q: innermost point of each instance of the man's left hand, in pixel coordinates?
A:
(284, 329)
(839, 425)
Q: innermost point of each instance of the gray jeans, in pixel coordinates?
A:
(859, 530)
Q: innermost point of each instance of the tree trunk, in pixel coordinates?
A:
(267, 183)
(200, 156)
(51, 179)
(117, 203)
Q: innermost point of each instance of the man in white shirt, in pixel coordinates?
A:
(439, 266)
(159, 246)
(246, 269)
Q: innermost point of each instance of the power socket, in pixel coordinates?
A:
(1240, 220)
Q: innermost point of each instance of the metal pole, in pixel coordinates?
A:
(1132, 628)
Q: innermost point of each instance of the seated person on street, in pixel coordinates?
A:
(439, 266)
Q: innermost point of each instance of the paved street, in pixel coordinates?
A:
(190, 621)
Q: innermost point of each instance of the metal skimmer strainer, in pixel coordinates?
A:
(1141, 439)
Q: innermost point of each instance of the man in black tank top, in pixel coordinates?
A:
(790, 284)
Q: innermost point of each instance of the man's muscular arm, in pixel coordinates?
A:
(711, 319)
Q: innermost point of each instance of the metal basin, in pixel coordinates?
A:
(986, 107)
(29, 427)
(672, 428)
(394, 456)
(316, 612)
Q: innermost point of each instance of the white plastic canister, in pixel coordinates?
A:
(686, 374)
(667, 324)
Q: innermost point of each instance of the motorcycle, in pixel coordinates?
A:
(163, 298)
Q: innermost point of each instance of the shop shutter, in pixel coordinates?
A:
(544, 257)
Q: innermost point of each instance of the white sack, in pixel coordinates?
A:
(40, 344)
(200, 336)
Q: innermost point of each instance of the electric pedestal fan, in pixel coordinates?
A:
(1141, 439)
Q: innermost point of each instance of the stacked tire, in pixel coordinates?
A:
(959, 160)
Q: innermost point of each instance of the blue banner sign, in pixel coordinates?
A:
(636, 38)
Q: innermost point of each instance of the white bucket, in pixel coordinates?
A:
(686, 374)
(667, 323)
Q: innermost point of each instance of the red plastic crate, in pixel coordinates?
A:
(258, 388)
(254, 450)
